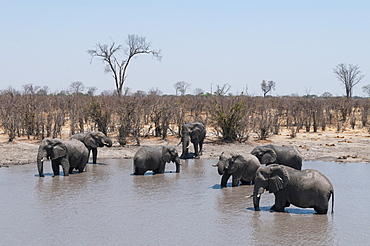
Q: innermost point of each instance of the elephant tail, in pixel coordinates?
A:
(332, 201)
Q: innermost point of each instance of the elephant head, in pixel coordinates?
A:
(265, 154)
(97, 139)
(192, 132)
(225, 162)
(272, 178)
(186, 133)
(49, 149)
(169, 154)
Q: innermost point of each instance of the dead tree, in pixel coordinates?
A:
(117, 66)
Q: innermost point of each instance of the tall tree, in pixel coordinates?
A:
(349, 75)
(116, 62)
(267, 87)
(181, 86)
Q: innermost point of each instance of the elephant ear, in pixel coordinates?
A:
(59, 150)
(166, 154)
(278, 179)
(269, 156)
(195, 132)
(90, 140)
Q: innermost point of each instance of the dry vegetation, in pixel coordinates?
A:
(132, 119)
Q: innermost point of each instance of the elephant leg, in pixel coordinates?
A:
(320, 210)
(83, 163)
(55, 167)
(243, 182)
(235, 181)
(196, 150)
(94, 154)
(224, 179)
(200, 148)
(67, 169)
(280, 201)
(139, 170)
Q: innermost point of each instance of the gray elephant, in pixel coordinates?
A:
(242, 169)
(308, 188)
(69, 154)
(286, 155)
(196, 133)
(155, 159)
(92, 141)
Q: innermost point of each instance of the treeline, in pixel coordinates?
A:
(233, 118)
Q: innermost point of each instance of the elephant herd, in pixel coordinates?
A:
(270, 167)
(281, 175)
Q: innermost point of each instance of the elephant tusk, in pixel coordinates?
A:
(42, 159)
(250, 196)
(258, 195)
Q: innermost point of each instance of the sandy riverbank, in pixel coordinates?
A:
(348, 146)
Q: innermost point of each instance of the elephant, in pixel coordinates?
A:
(69, 154)
(242, 169)
(196, 133)
(155, 159)
(285, 155)
(92, 141)
(307, 188)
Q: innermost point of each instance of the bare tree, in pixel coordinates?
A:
(76, 87)
(349, 75)
(116, 65)
(366, 89)
(181, 87)
(198, 91)
(222, 90)
(267, 87)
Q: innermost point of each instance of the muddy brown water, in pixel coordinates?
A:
(107, 205)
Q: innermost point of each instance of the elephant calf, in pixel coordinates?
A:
(155, 159)
(242, 169)
(308, 188)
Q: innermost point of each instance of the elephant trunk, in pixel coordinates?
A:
(185, 146)
(177, 162)
(220, 169)
(258, 190)
(41, 155)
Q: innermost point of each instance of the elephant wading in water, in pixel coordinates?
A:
(155, 159)
(242, 169)
(272, 154)
(69, 154)
(194, 132)
(308, 188)
(92, 141)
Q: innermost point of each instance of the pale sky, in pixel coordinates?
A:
(294, 43)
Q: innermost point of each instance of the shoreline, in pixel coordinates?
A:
(329, 146)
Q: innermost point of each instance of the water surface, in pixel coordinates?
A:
(107, 205)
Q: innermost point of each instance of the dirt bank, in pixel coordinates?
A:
(348, 146)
